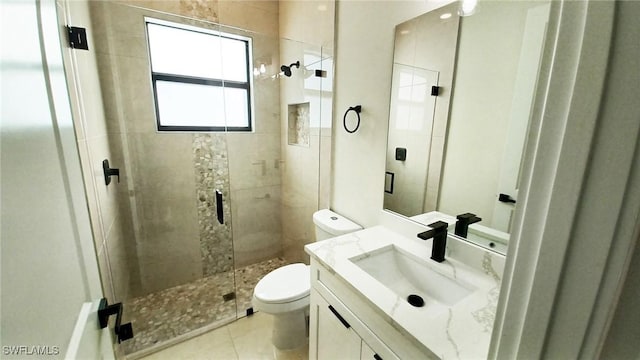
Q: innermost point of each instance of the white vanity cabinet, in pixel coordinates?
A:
(367, 353)
(337, 330)
(332, 335)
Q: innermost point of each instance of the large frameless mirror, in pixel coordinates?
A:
(461, 99)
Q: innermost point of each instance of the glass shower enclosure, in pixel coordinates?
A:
(177, 268)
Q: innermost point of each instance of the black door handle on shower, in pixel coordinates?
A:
(506, 199)
(219, 209)
(109, 172)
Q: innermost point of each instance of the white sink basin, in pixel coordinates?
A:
(405, 274)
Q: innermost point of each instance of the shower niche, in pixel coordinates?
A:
(298, 118)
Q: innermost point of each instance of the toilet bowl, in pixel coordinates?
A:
(284, 292)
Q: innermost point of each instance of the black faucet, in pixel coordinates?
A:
(464, 220)
(439, 234)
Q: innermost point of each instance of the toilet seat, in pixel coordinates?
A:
(284, 285)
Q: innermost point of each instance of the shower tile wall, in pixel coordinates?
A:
(255, 193)
(166, 176)
(164, 195)
(212, 173)
(255, 162)
(306, 173)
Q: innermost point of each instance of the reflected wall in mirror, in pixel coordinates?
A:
(464, 146)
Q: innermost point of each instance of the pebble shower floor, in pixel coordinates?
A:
(167, 314)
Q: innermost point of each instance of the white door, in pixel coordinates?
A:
(526, 81)
(50, 282)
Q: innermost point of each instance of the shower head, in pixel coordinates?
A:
(287, 69)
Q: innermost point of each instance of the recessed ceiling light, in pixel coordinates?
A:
(445, 16)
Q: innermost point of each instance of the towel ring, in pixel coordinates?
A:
(357, 109)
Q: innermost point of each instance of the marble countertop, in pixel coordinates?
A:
(461, 331)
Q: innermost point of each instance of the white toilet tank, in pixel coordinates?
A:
(330, 224)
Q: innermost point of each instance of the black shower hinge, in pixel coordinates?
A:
(77, 37)
(435, 90)
(122, 331)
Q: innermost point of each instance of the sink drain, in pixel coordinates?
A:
(415, 300)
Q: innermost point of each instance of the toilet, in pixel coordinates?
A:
(284, 292)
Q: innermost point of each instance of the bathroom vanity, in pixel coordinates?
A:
(360, 296)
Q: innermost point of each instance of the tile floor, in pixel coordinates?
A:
(247, 338)
(164, 315)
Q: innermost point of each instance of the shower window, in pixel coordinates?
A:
(201, 78)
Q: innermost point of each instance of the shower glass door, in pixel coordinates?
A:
(202, 216)
(174, 269)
